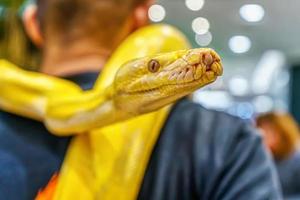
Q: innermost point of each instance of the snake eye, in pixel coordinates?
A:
(153, 66)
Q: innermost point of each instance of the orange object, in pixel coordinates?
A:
(48, 192)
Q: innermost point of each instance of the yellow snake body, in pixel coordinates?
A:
(109, 160)
(27, 93)
(136, 89)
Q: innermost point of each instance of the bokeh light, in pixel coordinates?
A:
(204, 39)
(238, 86)
(194, 5)
(239, 44)
(245, 110)
(211, 99)
(263, 104)
(252, 12)
(157, 13)
(271, 62)
(200, 25)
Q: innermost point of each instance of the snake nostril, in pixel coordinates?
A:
(207, 59)
(208, 68)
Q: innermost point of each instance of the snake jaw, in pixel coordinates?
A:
(193, 69)
(188, 72)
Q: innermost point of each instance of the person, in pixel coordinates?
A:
(281, 135)
(200, 153)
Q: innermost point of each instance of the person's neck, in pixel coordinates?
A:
(59, 61)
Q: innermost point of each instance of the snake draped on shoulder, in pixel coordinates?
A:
(109, 163)
(118, 121)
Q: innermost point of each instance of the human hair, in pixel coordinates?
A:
(15, 46)
(288, 131)
(99, 20)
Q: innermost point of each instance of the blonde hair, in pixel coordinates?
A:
(288, 130)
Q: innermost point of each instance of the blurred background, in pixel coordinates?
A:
(258, 41)
(14, 44)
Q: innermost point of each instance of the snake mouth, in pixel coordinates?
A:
(192, 72)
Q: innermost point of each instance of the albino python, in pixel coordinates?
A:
(140, 86)
(109, 163)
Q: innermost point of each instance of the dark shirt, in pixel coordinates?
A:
(289, 175)
(209, 155)
(29, 154)
(200, 154)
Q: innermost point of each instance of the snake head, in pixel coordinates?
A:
(149, 83)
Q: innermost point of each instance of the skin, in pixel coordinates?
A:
(141, 83)
(81, 56)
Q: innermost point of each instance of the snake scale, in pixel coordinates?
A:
(109, 160)
(140, 86)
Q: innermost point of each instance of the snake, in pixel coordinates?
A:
(116, 123)
(140, 86)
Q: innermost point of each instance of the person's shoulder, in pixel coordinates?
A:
(209, 126)
(217, 151)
